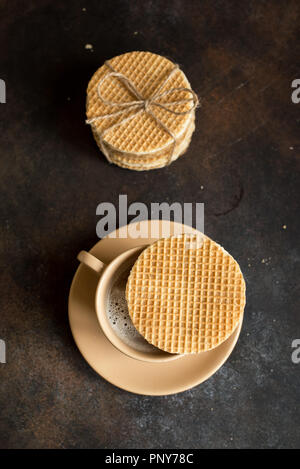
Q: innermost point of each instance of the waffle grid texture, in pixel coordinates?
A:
(185, 294)
(145, 162)
(142, 137)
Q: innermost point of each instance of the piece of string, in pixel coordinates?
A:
(140, 105)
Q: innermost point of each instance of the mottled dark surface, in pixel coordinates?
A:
(241, 58)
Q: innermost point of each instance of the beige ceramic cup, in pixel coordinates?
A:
(107, 275)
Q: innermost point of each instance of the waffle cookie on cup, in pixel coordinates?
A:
(185, 294)
(141, 109)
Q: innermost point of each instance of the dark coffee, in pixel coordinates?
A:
(118, 316)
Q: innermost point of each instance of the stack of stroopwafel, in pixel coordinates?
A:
(142, 110)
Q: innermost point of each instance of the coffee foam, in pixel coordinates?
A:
(119, 319)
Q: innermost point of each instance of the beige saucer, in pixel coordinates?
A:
(122, 371)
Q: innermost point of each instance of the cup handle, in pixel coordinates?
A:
(91, 261)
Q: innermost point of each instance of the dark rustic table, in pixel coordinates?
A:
(241, 58)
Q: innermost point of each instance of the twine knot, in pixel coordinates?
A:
(141, 104)
(146, 105)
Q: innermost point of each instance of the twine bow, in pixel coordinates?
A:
(140, 105)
